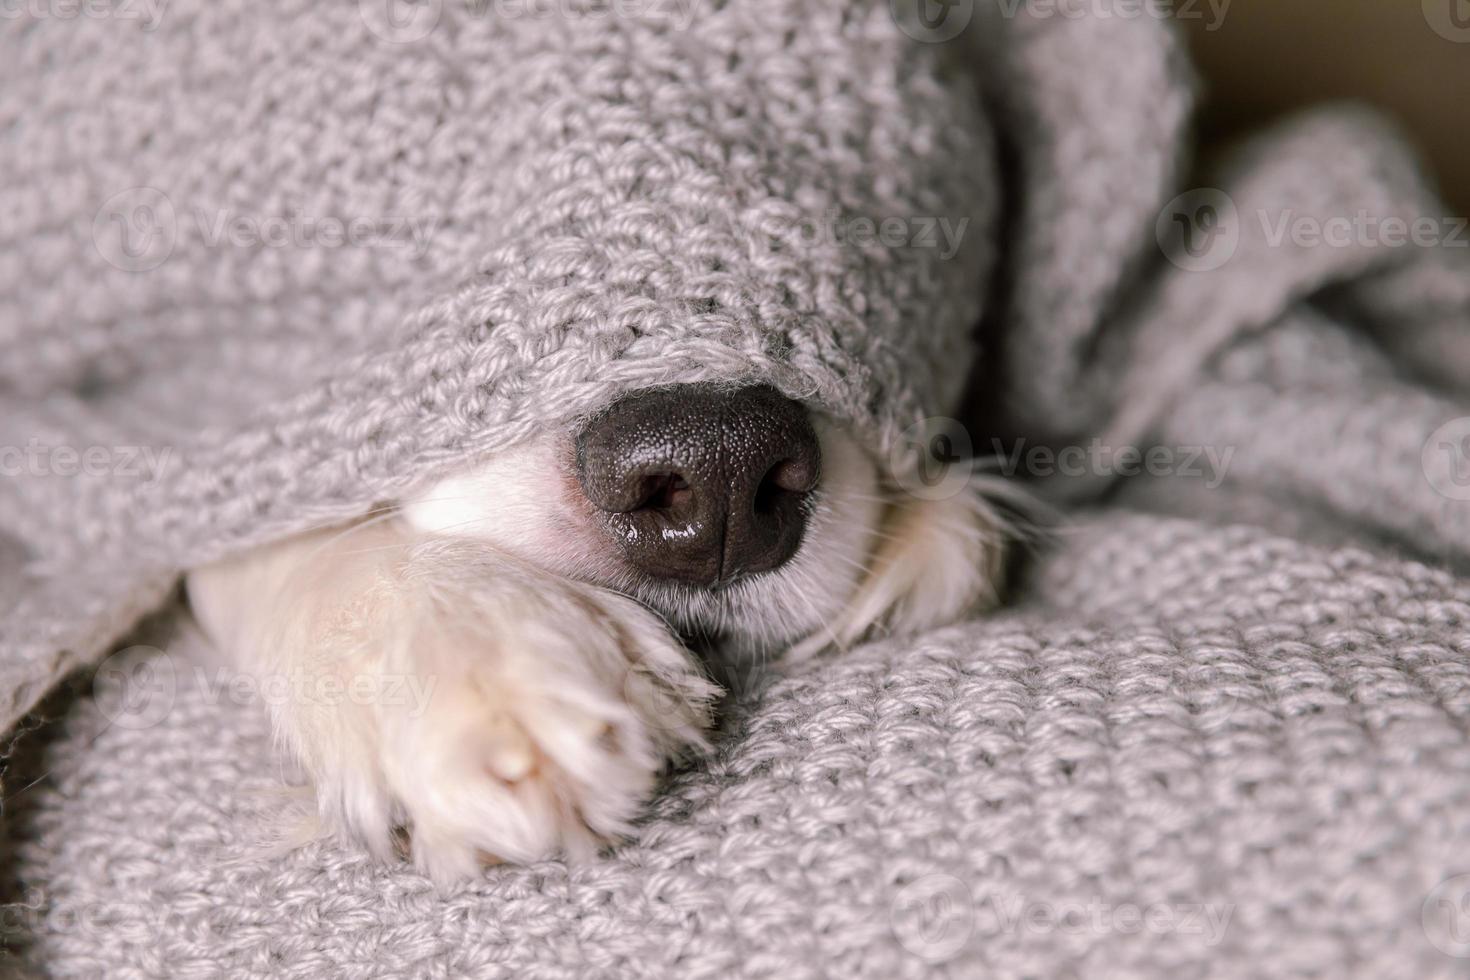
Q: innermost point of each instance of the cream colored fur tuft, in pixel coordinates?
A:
(553, 704)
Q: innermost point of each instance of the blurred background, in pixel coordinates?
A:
(1262, 59)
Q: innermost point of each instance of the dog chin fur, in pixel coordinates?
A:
(559, 685)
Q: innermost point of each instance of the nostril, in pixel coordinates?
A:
(795, 475)
(663, 491)
(788, 478)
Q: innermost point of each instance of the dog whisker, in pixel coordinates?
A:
(824, 621)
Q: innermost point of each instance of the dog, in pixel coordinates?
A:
(553, 594)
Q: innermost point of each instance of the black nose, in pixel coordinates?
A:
(701, 484)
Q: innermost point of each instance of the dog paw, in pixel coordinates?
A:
(534, 716)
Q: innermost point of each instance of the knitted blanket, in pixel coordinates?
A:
(266, 267)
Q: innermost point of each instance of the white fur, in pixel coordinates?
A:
(526, 501)
(553, 704)
(555, 698)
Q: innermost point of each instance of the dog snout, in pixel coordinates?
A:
(701, 484)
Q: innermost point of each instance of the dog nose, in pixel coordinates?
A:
(701, 484)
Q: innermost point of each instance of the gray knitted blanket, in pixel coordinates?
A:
(264, 267)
